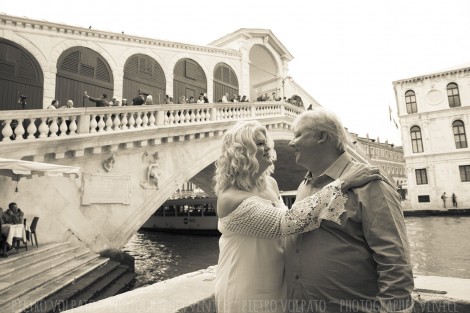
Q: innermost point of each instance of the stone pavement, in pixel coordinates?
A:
(194, 292)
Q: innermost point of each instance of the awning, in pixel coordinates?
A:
(20, 167)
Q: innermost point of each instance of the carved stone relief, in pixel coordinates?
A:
(108, 164)
(152, 171)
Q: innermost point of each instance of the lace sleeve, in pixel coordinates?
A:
(259, 217)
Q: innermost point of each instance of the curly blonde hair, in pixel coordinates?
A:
(237, 166)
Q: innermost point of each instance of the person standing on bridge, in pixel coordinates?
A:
(101, 102)
(361, 264)
(252, 219)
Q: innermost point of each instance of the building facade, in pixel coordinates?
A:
(43, 61)
(434, 113)
(388, 157)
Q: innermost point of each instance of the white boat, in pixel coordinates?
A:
(195, 215)
(185, 215)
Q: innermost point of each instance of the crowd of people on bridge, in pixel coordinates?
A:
(147, 99)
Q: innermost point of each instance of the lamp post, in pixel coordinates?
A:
(283, 84)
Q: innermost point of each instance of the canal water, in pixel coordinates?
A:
(440, 246)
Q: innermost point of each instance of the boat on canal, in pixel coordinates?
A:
(195, 215)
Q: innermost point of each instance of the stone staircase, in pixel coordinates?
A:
(58, 276)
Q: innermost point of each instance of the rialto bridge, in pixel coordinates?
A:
(131, 158)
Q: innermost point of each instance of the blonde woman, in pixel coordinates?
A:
(252, 220)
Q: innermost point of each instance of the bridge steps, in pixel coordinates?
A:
(43, 279)
(84, 290)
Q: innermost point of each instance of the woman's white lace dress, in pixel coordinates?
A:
(250, 272)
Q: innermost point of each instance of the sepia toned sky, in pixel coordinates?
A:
(346, 53)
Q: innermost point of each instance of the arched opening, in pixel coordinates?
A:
(263, 73)
(20, 75)
(143, 75)
(225, 81)
(81, 69)
(189, 80)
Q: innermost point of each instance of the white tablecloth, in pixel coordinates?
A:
(13, 231)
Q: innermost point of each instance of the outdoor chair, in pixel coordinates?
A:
(32, 230)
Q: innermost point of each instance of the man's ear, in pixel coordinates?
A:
(323, 136)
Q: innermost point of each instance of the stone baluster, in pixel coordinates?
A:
(145, 120)
(138, 121)
(109, 122)
(124, 121)
(192, 116)
(181, 116)
(93, 124)
(101, 123)
(177, 117)
(73, 125)
(31, 129)
(171, 118)
(7, 131)
(241, 112)
(19, 130)
(198, 115)
(131, 121)
(187, 116)
(63, 126)
(43, 128)
(116, 122)
(152, 119)
(53, 127)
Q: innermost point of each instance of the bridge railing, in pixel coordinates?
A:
(35, 124)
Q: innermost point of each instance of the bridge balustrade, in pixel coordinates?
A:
(37, 124)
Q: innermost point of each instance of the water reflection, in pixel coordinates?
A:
(160, 256)
(440, 246)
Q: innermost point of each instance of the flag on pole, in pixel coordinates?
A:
(396, 125)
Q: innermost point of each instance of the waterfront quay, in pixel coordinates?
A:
(193, 292)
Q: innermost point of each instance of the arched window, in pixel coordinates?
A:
(460, 138)
(453, 95)
(144, 75)
(79, 69)
(410, 99)
(416, 139)
(225, 81)
(20, 74)
(189, 80)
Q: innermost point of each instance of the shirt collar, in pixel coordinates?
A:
(334, 170)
